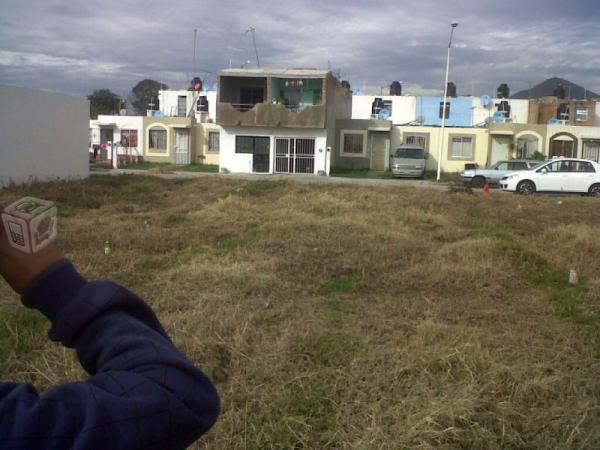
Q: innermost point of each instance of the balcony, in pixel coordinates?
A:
(271, 115)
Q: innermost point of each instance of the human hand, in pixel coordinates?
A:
(19, 268)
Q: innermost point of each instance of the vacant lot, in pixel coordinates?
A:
(348, 317)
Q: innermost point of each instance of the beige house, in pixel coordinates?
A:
(368, 144)
(180, 140)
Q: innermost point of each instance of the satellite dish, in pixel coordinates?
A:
(553, 121)
(158, 114)
(384, 114)
(357, 91)
(486, 100)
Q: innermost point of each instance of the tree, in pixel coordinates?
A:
(144, 92)
(103, 101)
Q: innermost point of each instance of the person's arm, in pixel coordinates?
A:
(142, 393)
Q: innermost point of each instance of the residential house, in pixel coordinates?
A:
(44, 135)
(279, 121)
(400, 110)
(123, 134)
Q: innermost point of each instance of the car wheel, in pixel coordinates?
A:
(594, 190)
(526, 187)
(478, 182)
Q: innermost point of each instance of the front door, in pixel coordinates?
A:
(261, 155)
(294, 155)
(562, 148)
(500, 150)
(182, 146)
(379, 151)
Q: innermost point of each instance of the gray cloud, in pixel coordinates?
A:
(76, 47)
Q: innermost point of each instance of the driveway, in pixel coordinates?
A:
(298, 178)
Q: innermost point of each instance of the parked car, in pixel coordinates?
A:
(492, 175)
(408, 161)
(557, 175)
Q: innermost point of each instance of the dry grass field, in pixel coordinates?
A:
(343, 317)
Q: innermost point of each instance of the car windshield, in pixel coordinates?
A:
(411, 153)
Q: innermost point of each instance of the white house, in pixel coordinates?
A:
(123, 133)
(43, 135)
(183, 103)
(279, 121)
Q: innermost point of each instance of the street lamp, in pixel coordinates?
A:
(439, 163)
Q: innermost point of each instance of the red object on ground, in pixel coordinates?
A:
(486, 188)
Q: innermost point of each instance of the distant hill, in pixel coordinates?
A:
(546, 88)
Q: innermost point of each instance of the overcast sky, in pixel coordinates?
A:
(77, 46)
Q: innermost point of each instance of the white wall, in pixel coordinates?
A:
(43, 135)
(242, 162)
(403, 107)
(519, 110)
(168, 102)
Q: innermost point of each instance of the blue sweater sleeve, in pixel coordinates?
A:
(142, 392)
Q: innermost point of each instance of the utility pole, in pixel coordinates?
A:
(252, 31)
(194, 67)
(445, 108)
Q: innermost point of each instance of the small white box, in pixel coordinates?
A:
(30, 224)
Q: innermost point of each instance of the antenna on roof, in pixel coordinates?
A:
(252, 31)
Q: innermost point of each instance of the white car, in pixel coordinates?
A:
(557, 175)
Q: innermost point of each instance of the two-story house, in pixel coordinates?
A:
(279, 121)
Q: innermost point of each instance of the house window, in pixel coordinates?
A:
(418, 140)
(526, 146)
(447, 110)
(182, 106)
(252, 144)
(202, 104)
(157, 138)
(591, 150)
(581, 114)
(379, 105)
(353, 143)
(129, 138)
(461, 147)
(213, 141)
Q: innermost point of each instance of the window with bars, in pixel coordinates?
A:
(213, 141)
(129, 138)
(461, 147)
(157, 138)
(418, 140)
(353, 144)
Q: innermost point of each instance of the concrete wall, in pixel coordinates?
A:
(43, 135)
(242, 162)
(403, 107)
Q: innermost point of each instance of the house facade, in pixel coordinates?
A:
(120, 135)
(279, 121)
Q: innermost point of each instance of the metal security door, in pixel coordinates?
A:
(182, 148)
(294, 155)
(284, 148)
